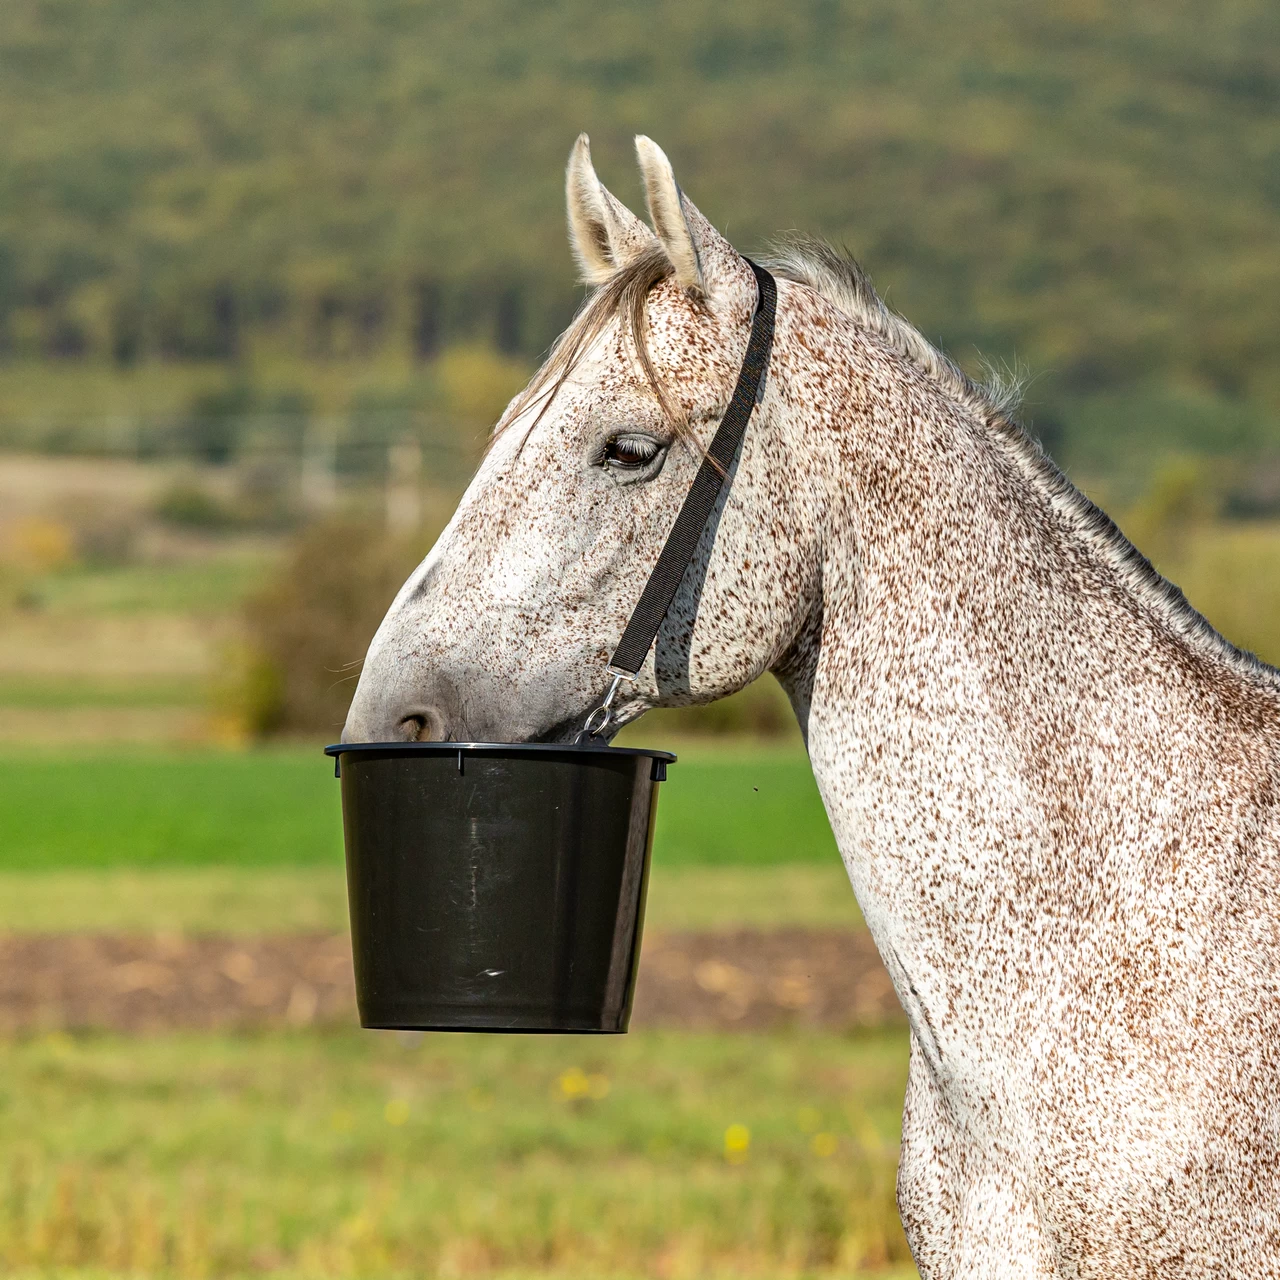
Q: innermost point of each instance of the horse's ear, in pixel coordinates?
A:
(705, 262)
(667, 214)
(603, 233)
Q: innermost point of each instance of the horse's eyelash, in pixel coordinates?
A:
(645, 450)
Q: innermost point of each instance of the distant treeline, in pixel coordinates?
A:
(1094, 189)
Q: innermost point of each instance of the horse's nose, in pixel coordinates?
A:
(416, 722)
(424, 724)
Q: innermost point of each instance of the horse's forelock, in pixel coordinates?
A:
(623, 296)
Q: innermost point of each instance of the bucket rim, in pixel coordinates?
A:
(338, 749)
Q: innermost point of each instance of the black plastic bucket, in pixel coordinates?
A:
(497, 886)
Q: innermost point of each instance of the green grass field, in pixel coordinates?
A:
(391, 1155)
(236, 900)
(357, 1154)
(70, 695)
(208, 585)
(281, 808)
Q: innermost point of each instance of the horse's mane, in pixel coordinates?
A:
(814, 263)
(840, 279)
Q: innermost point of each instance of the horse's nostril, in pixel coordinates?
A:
(423, 724)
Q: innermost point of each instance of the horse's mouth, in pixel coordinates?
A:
(570, 731)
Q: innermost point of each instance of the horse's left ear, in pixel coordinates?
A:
(705, 263)
(603, 233)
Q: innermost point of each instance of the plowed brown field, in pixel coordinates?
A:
(751, 980)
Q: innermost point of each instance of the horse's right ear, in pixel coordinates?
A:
(603, 233)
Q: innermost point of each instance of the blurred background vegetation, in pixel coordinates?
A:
(268, 265)
(269, 270)
(249, 193)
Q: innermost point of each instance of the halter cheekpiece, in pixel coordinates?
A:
(682, 541)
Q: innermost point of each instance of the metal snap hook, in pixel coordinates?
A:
(602, 716)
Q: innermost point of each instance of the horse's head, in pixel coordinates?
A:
(504, 631)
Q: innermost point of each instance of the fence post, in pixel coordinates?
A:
(404, 492)
(319, 464)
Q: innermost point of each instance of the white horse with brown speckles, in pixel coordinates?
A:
(1053, 784)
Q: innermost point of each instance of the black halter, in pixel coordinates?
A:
(712, 476)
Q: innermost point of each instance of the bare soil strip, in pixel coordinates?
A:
(746, 980)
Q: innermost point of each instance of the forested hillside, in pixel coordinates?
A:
(1091, 189)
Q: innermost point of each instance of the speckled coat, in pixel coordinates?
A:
(1053, 785)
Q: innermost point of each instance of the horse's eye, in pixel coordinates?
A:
(628, 453)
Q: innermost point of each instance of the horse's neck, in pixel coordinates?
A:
(947, 574)
(981, 688)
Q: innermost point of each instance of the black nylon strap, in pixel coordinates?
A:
(712, 475)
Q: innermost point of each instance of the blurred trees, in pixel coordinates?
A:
(307, 630)
(1092, 188)
(316, 233)
(1180, 501)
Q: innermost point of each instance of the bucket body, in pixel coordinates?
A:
(497, 887)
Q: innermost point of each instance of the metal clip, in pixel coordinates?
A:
(602, 717)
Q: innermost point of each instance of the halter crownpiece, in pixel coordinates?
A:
(682, 541)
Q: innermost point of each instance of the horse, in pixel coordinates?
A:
(1054, 786)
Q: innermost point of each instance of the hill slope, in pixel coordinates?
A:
(1094, 190)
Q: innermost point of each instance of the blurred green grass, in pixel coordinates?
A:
(247, 901)
(355, 1154)
(281, 808)
(72, 693)
(212, 583)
